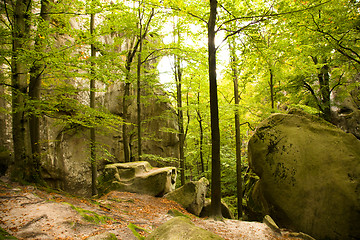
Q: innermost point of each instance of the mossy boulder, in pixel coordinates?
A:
(309, 175)
(191, 195)
(138, 177)
(181, 228)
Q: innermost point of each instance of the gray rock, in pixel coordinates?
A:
(181, 228)
(309, 175)
(191, 196)
(139, 177)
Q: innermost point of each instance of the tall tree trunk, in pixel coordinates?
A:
(239, 180)
(126, 138)
(129, 60)
(138, 96)
(178, 76)
(21, 137)
(92, 105)
(36, 75)
(215, 132)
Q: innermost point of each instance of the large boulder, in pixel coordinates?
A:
(181, 228)
(309, 175)
(138, 177)
(191, 195)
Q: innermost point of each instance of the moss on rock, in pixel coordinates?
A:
(181, 228)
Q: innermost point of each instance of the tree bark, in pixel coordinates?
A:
(237, 129)
(20, 132)
(92, 105)
(215, 132)
(36, 75)
(138, 96)
(201, 137)
(129, 60)
(271, 84)
(324, 83)
(181, 135)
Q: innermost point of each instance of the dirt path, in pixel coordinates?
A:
(29, 213)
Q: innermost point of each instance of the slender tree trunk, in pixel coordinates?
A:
(138, 97)
(201, 137)
(21, 137)
(323, 101)
(215, 132)
(36, 74)
(178, 76)
(271, 84)
(129, 60)
(125, 116)
(239, 180)
(92, 105)
(324, 82)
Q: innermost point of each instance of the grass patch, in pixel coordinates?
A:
(5, 235)
(135, 230)
(91, 216)
(122, 200)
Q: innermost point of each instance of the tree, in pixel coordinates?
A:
(92, 105)
(36, 74)
(129, 59)
(234, 61)
(214, 109)
(178, 80)
(23, 168)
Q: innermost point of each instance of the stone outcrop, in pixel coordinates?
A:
(181, 228)
(225, 210)
(66, 151)
(309, 175)
(138, 177)
(191, 195)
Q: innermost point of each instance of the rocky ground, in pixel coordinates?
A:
(27, 212)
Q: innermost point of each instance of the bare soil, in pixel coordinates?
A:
(28, 212)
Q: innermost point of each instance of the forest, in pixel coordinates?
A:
(222, 65)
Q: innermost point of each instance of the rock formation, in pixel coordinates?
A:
(66, 152)
(191, 195)
(181, 228)
(138, 177)
(346, 110)
(309, 175)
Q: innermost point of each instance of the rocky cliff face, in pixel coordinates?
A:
(67, 154)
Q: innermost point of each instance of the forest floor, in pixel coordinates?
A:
(27, 212)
